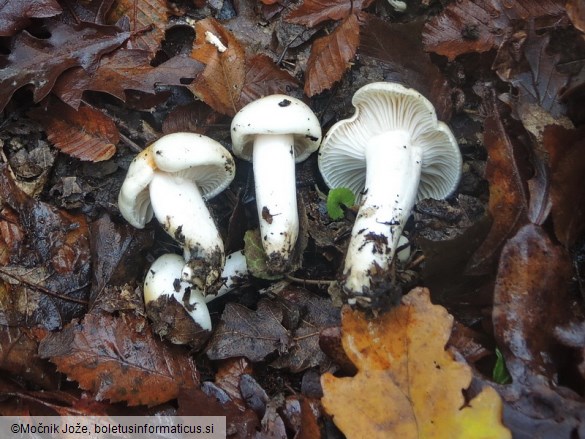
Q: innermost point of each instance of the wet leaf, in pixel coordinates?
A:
(119, 358)
(256, 256)
(86, 134)
(508, 204)
(407, 385)
(478, 26)
(530, 300)
(251, 334)
(39, 62)
(336, 198)
(330, 56)
(15, 16)
(576, 13)
(313, 12)
(220, 85)
(11, 236)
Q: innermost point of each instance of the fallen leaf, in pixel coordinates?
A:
(480, 25)
(89, 11)
(39, 62)
(15, 16)
(576, 13)
(330, 56)
(11, 236)
(313, 12)
(86, 134)
(246, 333)
(256, 256)
(220, 85)
(118, 358)
(407, 385)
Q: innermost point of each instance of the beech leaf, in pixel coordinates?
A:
(407, 385)
(119, 359)
(330, 56)
(313, 12)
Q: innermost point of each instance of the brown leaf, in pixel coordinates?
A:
(330, 56)
(195, 117)
(11, 236)
(567, 174)
(15, 16)
(86, 134)
(576, 13)
(246, 333)
(406, 63)
(264, 78)
(480, 25)
(220, 85)
(125, 70)
(530, 300)
(313, 12)
(119, 359)
(39, 62)
(90, 11)
(149, 15)
(508, 204)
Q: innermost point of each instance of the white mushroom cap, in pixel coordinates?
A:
(276, 114)
(382, 107)
(134, 199)
(164, 278)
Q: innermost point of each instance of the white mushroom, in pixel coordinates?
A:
(391, 153)
(172, 178)
(276, 132)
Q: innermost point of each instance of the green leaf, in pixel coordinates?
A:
(256, 256)
(500, 373)
(336, 198)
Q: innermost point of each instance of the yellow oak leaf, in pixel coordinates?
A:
(407, 385)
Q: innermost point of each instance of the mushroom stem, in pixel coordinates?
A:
(191, 224)
(393, 169)
(234, 274)
(276, 196)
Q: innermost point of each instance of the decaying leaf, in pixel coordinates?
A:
(407, 385)
(480, 25)
(15, 16)
(39, 62)
(86, 133)
(330, 56)
(119, 358)
(313, 12)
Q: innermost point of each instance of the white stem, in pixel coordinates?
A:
(179, 207)
(235, 272)
(276, 196)
(393, 168)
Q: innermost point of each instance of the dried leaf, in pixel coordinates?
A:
(330, 56)
(39, 62)
(576, 13)
(119, 359)
(11, 236)
(246, 333)
(480, 25)
(508, 204)
(313, 12)
(86, 134)
(407, 385)
(220, 85)
(16, 15)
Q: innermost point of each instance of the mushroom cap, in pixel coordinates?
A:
(276, 114)
(382, 107)
(191, 156)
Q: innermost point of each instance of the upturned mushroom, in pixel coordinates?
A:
(391, 153)
(171, 179)
(275, 132)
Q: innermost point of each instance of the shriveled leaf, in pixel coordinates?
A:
(407, 385)
(508, 202)
(480, 25)
(86, 134)
(149, 15)
(39, 62)
(330, 56)
(220, 85)
(530, 300)
(566, 150)
(264, 78)
(313, 12)
(16, 15)
(125, 70)
(119, 358)
(407, 62)
(246, 333)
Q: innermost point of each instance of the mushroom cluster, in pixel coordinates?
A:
(391, 153)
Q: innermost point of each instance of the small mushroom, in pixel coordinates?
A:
(275, 132)
(392, 152)
(171, 179)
